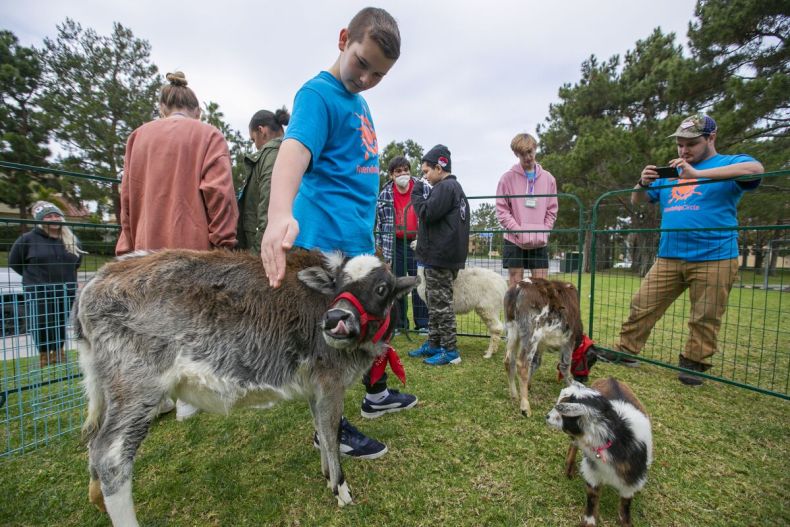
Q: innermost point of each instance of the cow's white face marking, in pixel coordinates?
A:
(361, 266)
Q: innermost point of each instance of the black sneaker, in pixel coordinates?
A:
(354, 443)
(614, 358)
(394, 402)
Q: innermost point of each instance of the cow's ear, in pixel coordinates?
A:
(319, 279)
(405, 284)
(572, 409)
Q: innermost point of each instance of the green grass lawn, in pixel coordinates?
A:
(753, 339)
(463, 456)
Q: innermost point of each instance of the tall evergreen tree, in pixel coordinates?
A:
(744, 44)
(616, 119)
(237, 144)
(100, 88)
(24, 127)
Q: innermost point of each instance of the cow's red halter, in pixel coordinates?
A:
(389, 356)
(364, 317)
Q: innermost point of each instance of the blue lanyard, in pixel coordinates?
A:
(531, 181)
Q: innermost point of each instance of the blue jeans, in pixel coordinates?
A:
(403, 266)
(48, 309)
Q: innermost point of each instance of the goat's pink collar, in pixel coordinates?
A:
(364, 317)
(599, 450)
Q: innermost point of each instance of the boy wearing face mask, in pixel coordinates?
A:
(396, 227)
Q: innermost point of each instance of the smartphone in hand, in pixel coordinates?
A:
(667, 172)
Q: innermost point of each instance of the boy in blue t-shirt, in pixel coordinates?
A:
(705, 262)
(326, 177)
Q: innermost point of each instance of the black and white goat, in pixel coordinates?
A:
(539, 314)
(611, 428)
(206, 327)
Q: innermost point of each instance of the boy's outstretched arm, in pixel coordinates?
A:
(292, 162)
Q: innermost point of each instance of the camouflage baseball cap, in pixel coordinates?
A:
(695, 126)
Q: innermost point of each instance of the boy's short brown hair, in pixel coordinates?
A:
(523, 142)
(379, 25)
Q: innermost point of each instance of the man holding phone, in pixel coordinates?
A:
(704, 261)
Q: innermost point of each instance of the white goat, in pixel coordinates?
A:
(480, 290)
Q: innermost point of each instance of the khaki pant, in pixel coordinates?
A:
(709, 285)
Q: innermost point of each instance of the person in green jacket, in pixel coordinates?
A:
(266, 131)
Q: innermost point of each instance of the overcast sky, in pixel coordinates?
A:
(471, 75)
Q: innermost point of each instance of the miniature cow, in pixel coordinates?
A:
(206, 327)
(539, 314)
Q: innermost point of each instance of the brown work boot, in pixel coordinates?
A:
(687, 378)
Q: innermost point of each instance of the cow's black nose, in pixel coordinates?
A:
(333, 317)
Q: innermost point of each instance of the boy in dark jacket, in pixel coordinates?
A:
(442, 246)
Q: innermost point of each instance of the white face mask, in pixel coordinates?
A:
(402, 181)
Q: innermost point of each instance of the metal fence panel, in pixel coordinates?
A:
(753, 350)
(40, 393)
(605, 259)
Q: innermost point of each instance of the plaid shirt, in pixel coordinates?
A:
(385, 221)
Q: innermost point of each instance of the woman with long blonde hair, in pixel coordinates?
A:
(48, 257)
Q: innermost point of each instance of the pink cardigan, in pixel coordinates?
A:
(514, 215)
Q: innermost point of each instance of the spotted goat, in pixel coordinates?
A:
(542, 315)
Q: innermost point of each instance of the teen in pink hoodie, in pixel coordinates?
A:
(526, 250)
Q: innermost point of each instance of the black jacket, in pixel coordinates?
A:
(42, 260)
(443, 232)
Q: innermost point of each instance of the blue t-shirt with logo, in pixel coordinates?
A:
(695, 206)
(336, 202)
